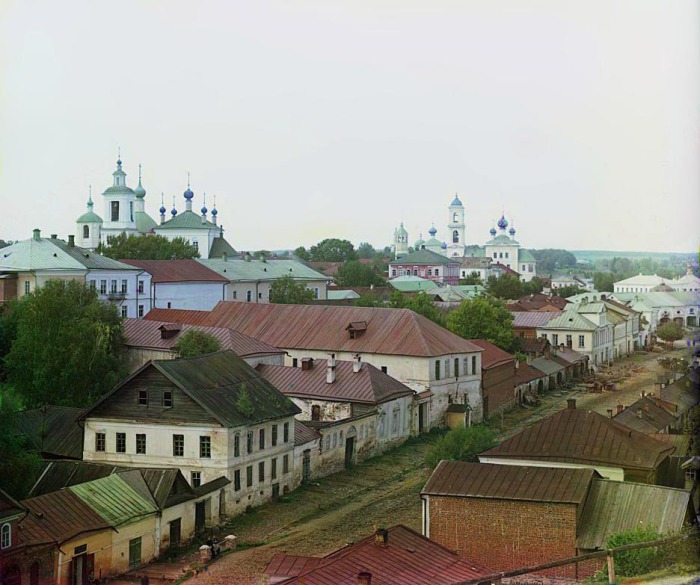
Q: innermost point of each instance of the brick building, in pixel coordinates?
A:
(497, 378)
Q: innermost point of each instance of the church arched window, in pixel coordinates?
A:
(86, 232)
(195, 243)
(455, 217)
(455, 237)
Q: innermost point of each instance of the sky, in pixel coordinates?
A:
(579, 119)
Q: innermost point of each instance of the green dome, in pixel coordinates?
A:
(89, 217)
(120, 189)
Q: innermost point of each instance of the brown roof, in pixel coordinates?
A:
(534, 345)
(291, 566)
(530, 319)
(525, 373)
(645, 416)
(389, 331)
(493, 356)
(568, 355)
(177, 271)
(146, 333)
(539, 300)
(368, 386)
(505, 269)
(408, 559)
(304, 434)
(9, 506)
(575, 435)
(509, 482)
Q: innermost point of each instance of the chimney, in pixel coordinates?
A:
(54, 236)
(364, 578)
(610, 412)
(381, 537)
(603, 297)
(307, 363)
(224, 256)
(71, 241)
(36, 234)
(330, 372)
(571, 403)
(620, 408)
(356, 363)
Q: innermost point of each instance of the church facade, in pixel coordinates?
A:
(502, 250)
(124, 213)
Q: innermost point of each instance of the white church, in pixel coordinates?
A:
(502, 249)
(124, 212)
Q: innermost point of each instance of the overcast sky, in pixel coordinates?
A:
(309, 120)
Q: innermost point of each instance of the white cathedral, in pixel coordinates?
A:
(124, 212)
(502, 248)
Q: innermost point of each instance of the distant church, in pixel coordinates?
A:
(124, 212)
(502, 248)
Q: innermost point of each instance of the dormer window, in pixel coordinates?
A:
(356, 328)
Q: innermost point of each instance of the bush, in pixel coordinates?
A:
(634, 562)
(460, 444)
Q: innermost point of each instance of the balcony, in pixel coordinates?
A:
(116, 296)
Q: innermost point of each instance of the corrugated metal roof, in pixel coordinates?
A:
(304, 434)
(219, 247)
(408, 559)
(574, 435)
(185, 270)
(614, 506)
(645, 416)
(146, 333)
(509, 482)
(9, 506)
(36, 255)
(524, 373)
(492, 356)
(114, 499)
(533, 319)
(570, 319)
(52, 430)
(291, 566)
(236, 269)
(59, 474)
(389, 331)
(368, 386)
(680, 442)
(546, 365)
(88, 258)
(420, 257)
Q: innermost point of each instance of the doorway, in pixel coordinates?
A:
(175, 532)
(134, 553)
(199, 517)
(306, 465)
(421, 417)
(349, 451)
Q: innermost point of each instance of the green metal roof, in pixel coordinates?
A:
(187, 220)
(114, 499)
(570, 319)
(36, 255)
(89, 217)
(526, 256)
(89, 259)
(424, 257)
(476, 251)
(144, 222)
(219, 247)
(502, 240)
(338, 295)
(237, 269)
(120, 190)
(411, 283)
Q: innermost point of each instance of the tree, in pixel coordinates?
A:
(302, 253)
(533, 287)
(366, 301)
(333, 250)
(8, 333)
(355, 273)
(147, 248)
(473, 278)
(483, 318)
(460, 444)
(505, 287)
(568, 291)
(420, 303)
(366, 250)
(670, 332)
(604, 281)
(551, 259)
(193, 343)
(19, 467)
(67, 348)
(286, 291)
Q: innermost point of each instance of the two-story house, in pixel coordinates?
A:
(209, 416)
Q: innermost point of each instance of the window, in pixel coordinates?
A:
(124, 311)
(500, 254)
(113, 286)
(316, 292)
(285, 464)
(447, 368)
(249, 442)
(523, 268)
(131, 211)
(437, 369)
(274, 435)
(437, 272)
(544, 336)
(178, 445)
(140, 311)
(261, 472)
(248, 296)
(335, 440)
(124, 284)
(237, 480)
(474, 372)
(581, 341)
(167, 398)
(261, 439)
(170, 305)
(237, 445)
(235, 295)
(249, 476)
(195, 244)
(140, 444)
(495, 255)
(555, 339)
(286, 433)
(93, 284)
(273, 469)
(430, 271)
(140, 288)
(328, 442)
(315, 412)
(456, 367)
(115, 211)
(384, 369)
(465, 366)
(121, 442)
(86, 232)
(196, 479)
(455, 237)
(205, 447)
(6, 536)
(506, 254)
(100, 442)
(393, 272)
(259, 295)
(103, 287)
(569, 341)
(143, 397)
(295, 363)
(395, 422)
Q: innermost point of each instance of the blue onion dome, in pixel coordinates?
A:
(204, 210)
(173, 212)
(214, 212)
(432, 231)
(456, 201)
(492, 231)
(503, 222)
(511, 231)
(162, 209)
(188, 194)
(444, 246)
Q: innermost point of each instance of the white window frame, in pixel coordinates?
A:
(6, 536)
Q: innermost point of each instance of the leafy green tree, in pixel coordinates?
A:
(505, 287)
(568, 291)
(551, 259)
(68, 346)
(424, 305)
(193, 343)
(473, 278)
(483, 318)
(19, 467)
(670, 332)
(637, 561)
(604, 281)
(8, 333)
(366, 250)
(287, 291)
(533, 287)
(366, 301)
(147, 248)
(262, 254)
(355, 273)
(333, 250)
(302, 253)
(460, 444)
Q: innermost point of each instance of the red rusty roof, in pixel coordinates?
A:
(177, 271)
(575, 435)
(146, 333)
(291, 566)
(525, 373)
(304, 434)
(388, 331)
(368, 386)
(509, 482)
(539, 300)
(492, 356)
(408, 559)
